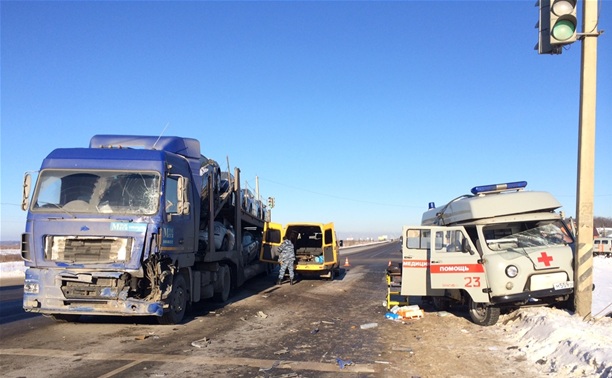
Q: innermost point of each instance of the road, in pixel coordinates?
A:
(305, 330)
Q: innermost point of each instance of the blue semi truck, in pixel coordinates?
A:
(123, 228)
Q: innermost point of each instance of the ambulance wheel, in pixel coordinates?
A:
(177, 302)
(225, 280)
(482, 314)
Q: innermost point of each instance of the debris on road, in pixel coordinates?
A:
(282, 351)
(368, 325)
(275, 364)
(342, 363)
(202, 343)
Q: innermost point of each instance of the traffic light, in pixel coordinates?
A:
(270, 202)
(556, 26)
(563, 22)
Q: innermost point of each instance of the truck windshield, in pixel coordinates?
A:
(527, 234)
(106, 192)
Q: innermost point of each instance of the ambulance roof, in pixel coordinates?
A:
(491, 205)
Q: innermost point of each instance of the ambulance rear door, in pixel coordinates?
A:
(272, 239)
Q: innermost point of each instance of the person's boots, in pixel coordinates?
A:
(279, 281)
(292, 281)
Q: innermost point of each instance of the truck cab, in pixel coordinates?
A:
(499, 247)
(316, 247)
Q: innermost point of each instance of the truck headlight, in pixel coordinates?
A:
(511, 271)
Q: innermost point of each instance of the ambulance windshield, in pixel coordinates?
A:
(500, 237)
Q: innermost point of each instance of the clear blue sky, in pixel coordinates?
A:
(358, 113)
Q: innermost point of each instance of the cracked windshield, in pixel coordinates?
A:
(105, 192)
(526, 235)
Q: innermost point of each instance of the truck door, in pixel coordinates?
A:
(272, 239)
(178, 232)
(454, 263)
(330, 247)
(416, 277)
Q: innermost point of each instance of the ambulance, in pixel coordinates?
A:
(500, 246)
(316, 247)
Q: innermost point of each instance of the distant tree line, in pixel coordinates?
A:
(602, 222)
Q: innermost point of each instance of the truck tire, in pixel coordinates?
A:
(483, 314)
(225, 282)
(177, 302)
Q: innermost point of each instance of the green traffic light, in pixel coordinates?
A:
(563, 30)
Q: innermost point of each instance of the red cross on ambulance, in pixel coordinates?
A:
(545, 259)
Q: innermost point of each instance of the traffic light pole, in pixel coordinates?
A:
(583, 263)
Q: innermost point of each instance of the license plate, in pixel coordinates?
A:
(564, 285)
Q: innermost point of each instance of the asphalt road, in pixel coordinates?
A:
(310, 329)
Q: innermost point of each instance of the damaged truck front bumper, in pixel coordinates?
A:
(50, 291)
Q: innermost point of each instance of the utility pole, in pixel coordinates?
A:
(583, 263)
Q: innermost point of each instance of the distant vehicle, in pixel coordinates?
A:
(602, 246)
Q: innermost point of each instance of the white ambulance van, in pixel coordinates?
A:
(499, 246)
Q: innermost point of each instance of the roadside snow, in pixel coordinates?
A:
(13, 269)
(557, 342)
(562, 344)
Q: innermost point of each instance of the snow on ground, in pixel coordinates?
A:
(562, 344)
(557, 342)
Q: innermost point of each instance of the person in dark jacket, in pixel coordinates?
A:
(286, 258)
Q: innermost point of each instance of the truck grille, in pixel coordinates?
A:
(88, 250)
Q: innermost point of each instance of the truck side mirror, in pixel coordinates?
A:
(27, 184)
(181, 193)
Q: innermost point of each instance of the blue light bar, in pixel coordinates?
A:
(499, 187)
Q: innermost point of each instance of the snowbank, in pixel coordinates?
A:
(562, 344)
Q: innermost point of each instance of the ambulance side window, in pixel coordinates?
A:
(453, 241)
(439, 240)
(417, 239)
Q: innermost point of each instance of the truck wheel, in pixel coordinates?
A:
(65, 318)
(177, 302)
(225, 280)
(482, 314)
